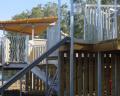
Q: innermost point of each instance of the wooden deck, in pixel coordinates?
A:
(85, 73)
(108, 45)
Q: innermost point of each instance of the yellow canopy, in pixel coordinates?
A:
(25, 25)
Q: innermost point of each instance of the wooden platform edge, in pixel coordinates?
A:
(108, 45)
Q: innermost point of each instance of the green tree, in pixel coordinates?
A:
(49, 9)
(23, 15)
(37, 12)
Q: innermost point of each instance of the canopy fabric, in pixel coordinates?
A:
(26, 25)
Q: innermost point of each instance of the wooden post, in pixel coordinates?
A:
(40, 85)
(94, 75)
(103, 74)
(96, 68)
(86, 75)
(91, 70)
(99, 74)
(75, 79)
(67, 75)
(76, 62)
(62, 75)
(30, 83)
(27, 82)
(113, 74)
(118, 76)
(80, 75)
(33, 82)
(108, 75)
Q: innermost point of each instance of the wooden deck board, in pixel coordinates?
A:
(108, 45)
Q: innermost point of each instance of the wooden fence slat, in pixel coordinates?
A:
(113, 74)
(67, 65)
(86, 83)
(91, 85)
(62, 75)
(80, 75)
(118, 75)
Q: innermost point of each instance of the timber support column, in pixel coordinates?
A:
(33, 31)
(117, 72)
(99, 74)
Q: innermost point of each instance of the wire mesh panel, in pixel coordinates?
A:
(14, 49)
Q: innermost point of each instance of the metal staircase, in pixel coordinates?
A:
(54, 85)
(33, 67)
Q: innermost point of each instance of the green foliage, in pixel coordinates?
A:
(107, 1)
(79, 25)
(37, 12)
(22, 15)
(65, 16)
(50, 9)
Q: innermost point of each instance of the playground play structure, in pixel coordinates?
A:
(64, 65)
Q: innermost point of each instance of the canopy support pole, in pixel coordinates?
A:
(72, 49)
(33, 31)
(59, 36)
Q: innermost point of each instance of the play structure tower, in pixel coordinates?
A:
(62, 64)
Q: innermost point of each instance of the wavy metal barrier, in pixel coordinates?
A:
(18, 49)
(14, 49)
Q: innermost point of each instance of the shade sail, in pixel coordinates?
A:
(26, 25)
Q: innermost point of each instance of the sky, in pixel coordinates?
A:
(9, 8)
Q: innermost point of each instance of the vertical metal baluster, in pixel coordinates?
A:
(72, 49)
